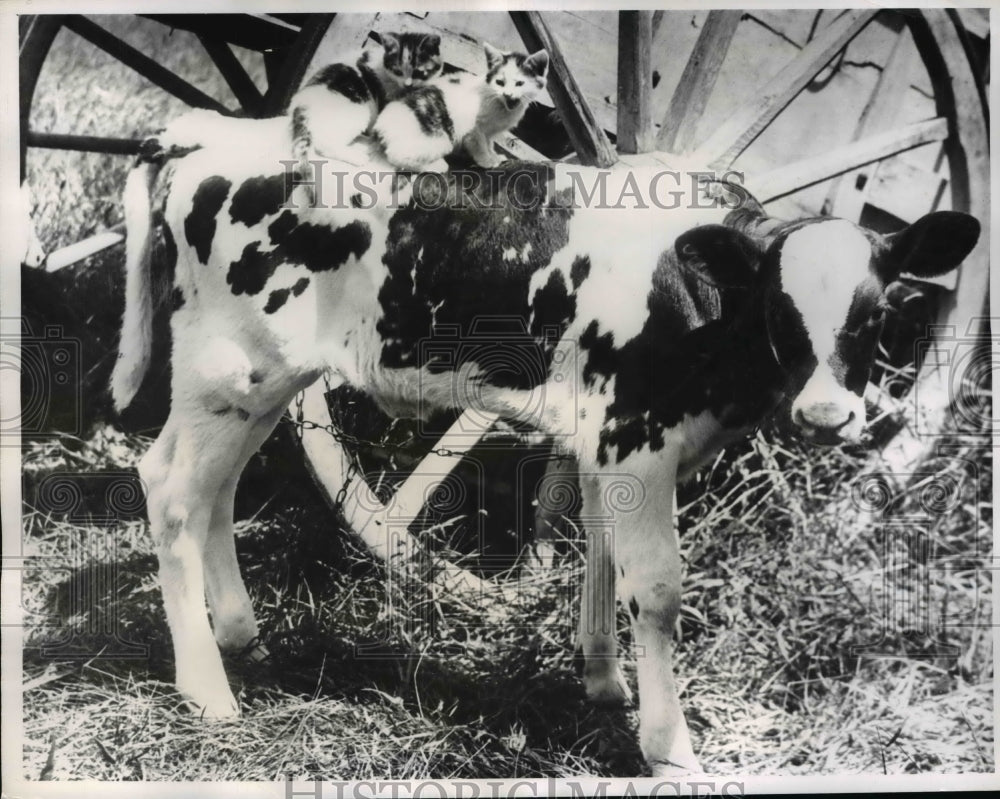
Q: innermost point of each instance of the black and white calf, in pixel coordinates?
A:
(651, 336)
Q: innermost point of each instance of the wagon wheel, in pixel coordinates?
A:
(958, 127)
(849, 172)
(288, 43)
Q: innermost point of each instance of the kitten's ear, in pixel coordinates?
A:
(430, 44)
(537, 63)
(390, 42)
(494, 57)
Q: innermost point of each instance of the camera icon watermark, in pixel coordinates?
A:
(87, 618)
(50, 368)
(410, 510)
(498, 366)
(969, 362)
(910, 598)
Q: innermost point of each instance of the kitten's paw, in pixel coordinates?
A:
(491, 161)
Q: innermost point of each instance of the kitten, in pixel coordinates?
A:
(340, 102)
(337, 104)
(425, 124)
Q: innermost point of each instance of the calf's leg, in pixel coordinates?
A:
(647, 553)
(185, 472)
(229, 603)
(602, 675)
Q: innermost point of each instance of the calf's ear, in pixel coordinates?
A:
(720, 256)
(931, 246)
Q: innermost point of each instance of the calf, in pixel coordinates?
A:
(641, 338)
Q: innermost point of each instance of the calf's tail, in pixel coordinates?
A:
(135, 344)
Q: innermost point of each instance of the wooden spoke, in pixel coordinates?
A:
(89, 144)
(697, 81)
(747, 122)
(141, 63)
(882, 108)
(242, 85)
(635, 113)
(284, 81)
(587, 137)
(261, 32)
(73, 253)
(804, 173)
(37, 33)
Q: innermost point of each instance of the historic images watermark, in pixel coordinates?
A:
(522, 187)
(510, 789)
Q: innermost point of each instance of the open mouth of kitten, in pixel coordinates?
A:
(511, 101)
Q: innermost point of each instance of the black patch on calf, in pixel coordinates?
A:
(261, 196)
(319, 248)
(633, 607)
(279, 297)
(699, 350)
(447, 270)
(580, 270)
(199, 224)
(601, 354)
(169, 252)
(276, 300)
(176, 299)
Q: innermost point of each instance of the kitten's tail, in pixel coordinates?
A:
(135, 344)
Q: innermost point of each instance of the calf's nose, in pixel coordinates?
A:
(824, 416)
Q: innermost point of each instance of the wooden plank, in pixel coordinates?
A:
(882, 109)
(515, 148)
(284, 81)
(589, 140)
(906, 191)
(72, 253)
(635, 82)
(253, 31)
(241, 84)
(345, 39)
(787, 179)
(747, 122)
(141, 63)
(687, 104)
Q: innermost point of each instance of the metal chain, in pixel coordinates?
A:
(352, 444)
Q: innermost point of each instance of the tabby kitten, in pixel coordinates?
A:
(340, 102)
(425, 124)
(336, 105)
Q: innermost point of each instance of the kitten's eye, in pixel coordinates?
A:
(519, 83)
(397, 71)
(501, 82)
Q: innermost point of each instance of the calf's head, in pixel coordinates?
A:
(821, 284)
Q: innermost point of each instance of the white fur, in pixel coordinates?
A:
(135, 343)
(821, 266)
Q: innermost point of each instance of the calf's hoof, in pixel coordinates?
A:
(211, 705)
(662, 768)
(607, 688)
